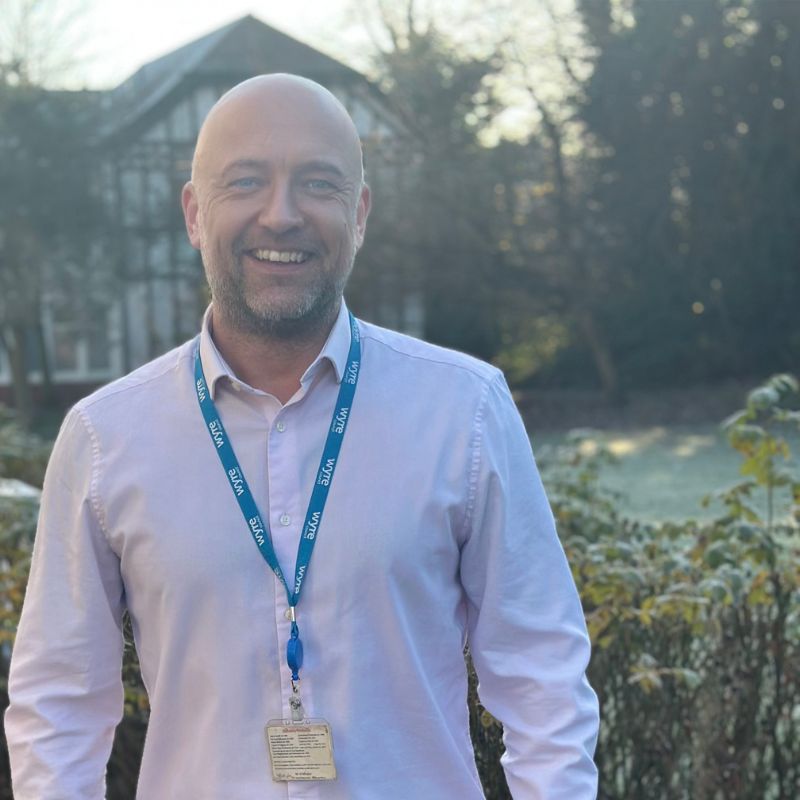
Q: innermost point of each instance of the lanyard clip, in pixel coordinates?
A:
(296, 704)
(294, 649)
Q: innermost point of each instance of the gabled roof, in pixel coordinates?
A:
(242, 48)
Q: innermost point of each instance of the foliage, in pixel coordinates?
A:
(50, 216)
(43, 42)
(487, 740)
(442, 208)
(694, 110)
(17, 523)
(755, 433)
(23, 455)
(497, 228)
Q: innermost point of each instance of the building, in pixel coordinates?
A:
(147, 291)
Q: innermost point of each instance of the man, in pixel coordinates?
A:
(192, 493)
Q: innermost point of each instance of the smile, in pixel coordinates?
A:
(281, 256)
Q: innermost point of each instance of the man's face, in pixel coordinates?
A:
(277, 209)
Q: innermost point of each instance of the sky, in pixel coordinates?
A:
(121, 35)
(97, 44)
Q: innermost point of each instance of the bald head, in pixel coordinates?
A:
(277, 206)
(286, 100)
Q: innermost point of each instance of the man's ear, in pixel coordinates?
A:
(190, 214)
(362, 212)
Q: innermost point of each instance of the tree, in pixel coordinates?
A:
(695, 106)
(444, 218)
(48, 218)
(512, 271)
(553, 229)
(48, 214)
(42, 42)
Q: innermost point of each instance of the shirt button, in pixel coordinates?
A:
(288, 614)
(280, 426)
(285, 519)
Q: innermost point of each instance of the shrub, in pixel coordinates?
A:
(23, 455)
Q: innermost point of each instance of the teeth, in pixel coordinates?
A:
(282, 257)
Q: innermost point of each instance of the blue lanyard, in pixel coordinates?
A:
(319, 495)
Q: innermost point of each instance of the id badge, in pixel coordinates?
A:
(300, 751)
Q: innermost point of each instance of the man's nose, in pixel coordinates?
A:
(280, 212)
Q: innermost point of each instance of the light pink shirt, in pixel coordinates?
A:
(436, 532)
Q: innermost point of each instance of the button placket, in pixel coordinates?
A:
(284, 492)
(285, 519)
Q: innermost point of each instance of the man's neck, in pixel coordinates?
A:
(272, 364)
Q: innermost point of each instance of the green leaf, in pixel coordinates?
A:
(763, 398)
(690, 677)
(716, 555)
(737, 418)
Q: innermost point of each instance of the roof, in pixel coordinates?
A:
(240, 49)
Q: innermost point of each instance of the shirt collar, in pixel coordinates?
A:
(335, 350)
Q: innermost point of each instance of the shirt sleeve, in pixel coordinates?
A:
(65, 686)
(527, 633)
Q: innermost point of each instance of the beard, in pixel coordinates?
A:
(291, 312)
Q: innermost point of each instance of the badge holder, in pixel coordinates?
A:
(299, 749)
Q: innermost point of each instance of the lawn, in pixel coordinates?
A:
(663, 472)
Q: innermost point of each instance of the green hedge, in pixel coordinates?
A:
(696, 627)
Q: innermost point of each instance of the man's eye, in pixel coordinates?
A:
(244, 183)
(320, 185)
